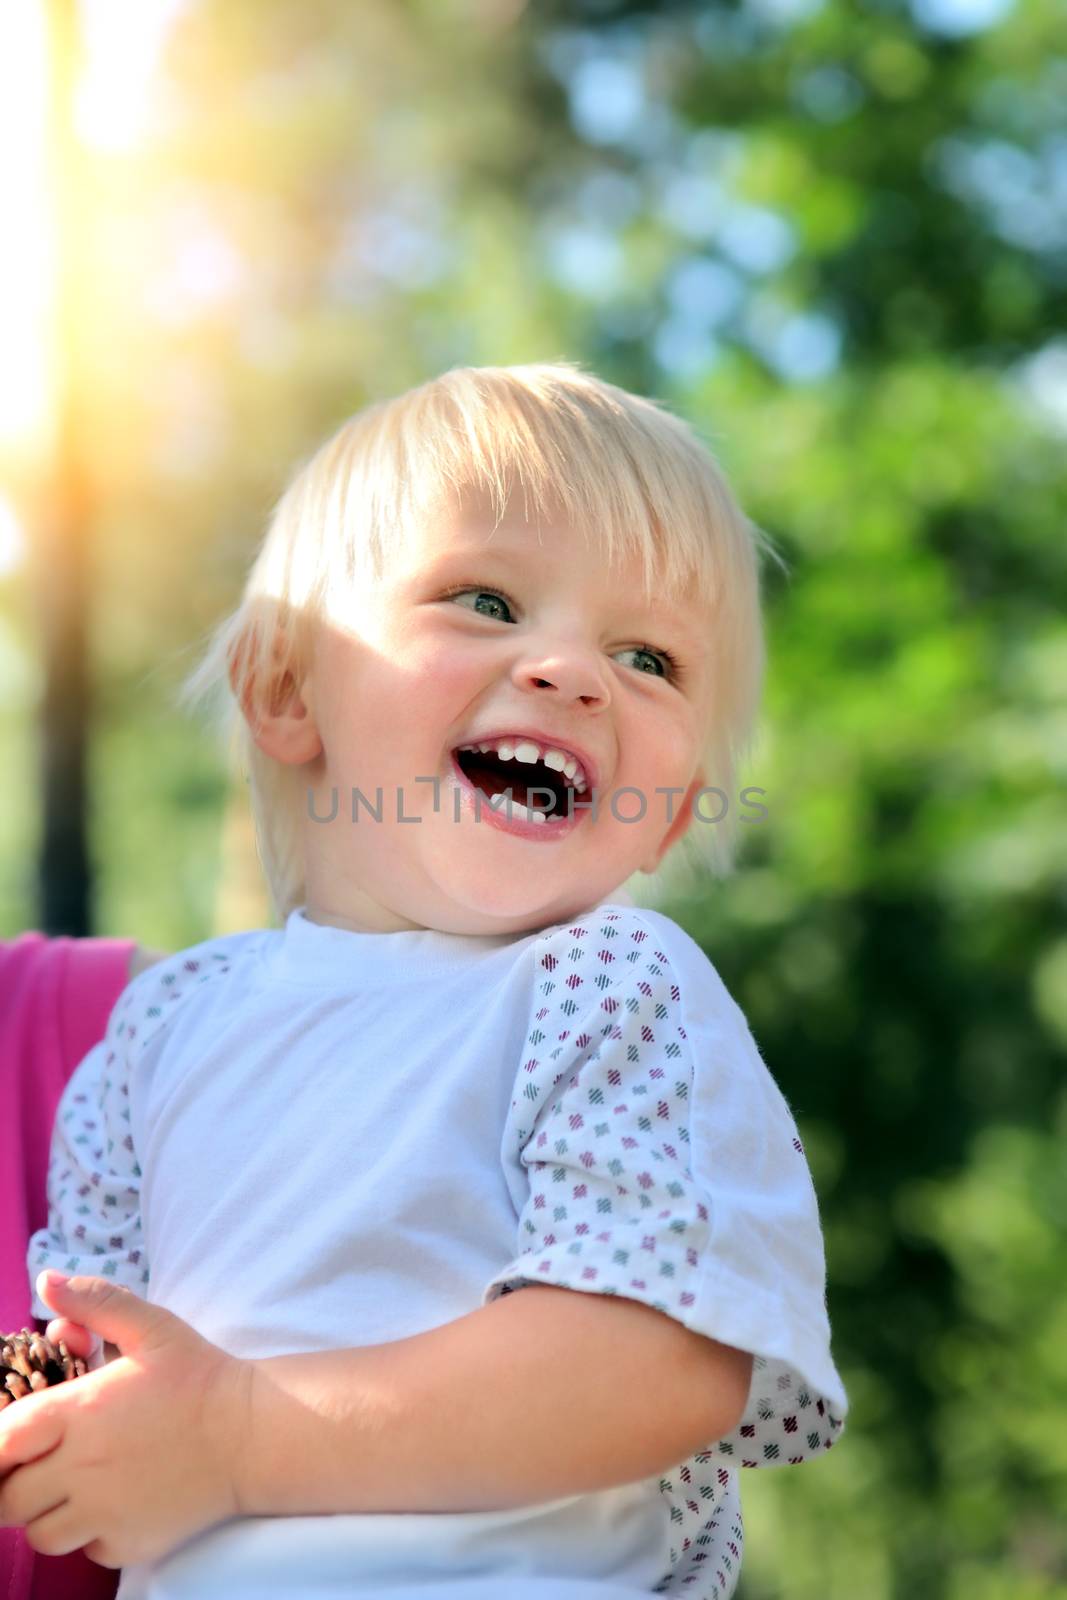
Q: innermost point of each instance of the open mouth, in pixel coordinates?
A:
(493, 776)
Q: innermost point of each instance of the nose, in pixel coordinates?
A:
(571, 672)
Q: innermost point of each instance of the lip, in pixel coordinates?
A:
(476, 803)
(549, 740)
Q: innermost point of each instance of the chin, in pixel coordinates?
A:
(492, 907)
(500, 907)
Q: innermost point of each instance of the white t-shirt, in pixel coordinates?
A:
(313, 1139)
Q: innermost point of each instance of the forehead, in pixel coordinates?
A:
(471, 540)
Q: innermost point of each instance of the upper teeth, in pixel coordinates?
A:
(525, 750)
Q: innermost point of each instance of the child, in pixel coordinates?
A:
(331, 1162)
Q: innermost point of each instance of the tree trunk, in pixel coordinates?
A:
(63, 526)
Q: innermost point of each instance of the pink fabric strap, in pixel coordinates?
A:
(55, 999)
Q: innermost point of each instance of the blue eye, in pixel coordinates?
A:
(483, 594)
(671, 670)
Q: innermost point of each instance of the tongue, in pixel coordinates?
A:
(491, 783)
(493, 776)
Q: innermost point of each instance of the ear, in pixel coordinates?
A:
(276, 706)
(683, 819)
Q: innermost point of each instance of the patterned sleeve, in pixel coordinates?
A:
(651, 1155)
(94, 1180)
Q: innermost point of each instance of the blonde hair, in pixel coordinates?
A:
(606, 459)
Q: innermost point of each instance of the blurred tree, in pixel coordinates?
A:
(64, 528)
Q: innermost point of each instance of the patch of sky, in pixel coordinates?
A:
(604, 76)
(1023, 195)
(692, 205)
(727, 35)
(584, 258)
(830, 93)
(1041, 380)
(957, 19)
(801, 346)
(607, 98)
(704, 293)
(609, 197)
(402, 239)
(683, 353)
(1022, 110)
(785, 13)
(657, 136)
(561, 49)
(757, 239)
(808, 347)
(715, 152)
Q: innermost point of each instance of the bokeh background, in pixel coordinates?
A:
(833, 235)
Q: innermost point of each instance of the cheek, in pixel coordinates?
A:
(667, 750)
(443, 675)
(401, 704)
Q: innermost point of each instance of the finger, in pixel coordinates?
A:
(79, 1340)
(27, 1493)
(57, 1532)
(110, 1309)
(29, 1429)
(105, 1554)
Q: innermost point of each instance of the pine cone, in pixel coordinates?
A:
(29, 1361)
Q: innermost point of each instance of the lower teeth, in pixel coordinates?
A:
(516, 808)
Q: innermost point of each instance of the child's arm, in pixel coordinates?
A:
(534, 1397)
(543, 1393)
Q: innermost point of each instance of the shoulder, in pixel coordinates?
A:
(621, 945)
(147, 1004)
(629, 964)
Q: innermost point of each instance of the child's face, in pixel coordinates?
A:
(542, 643)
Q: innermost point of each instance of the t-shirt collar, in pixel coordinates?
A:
(324, 956)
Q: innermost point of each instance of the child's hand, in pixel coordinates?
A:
(136, 1457)
(79, 1340)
